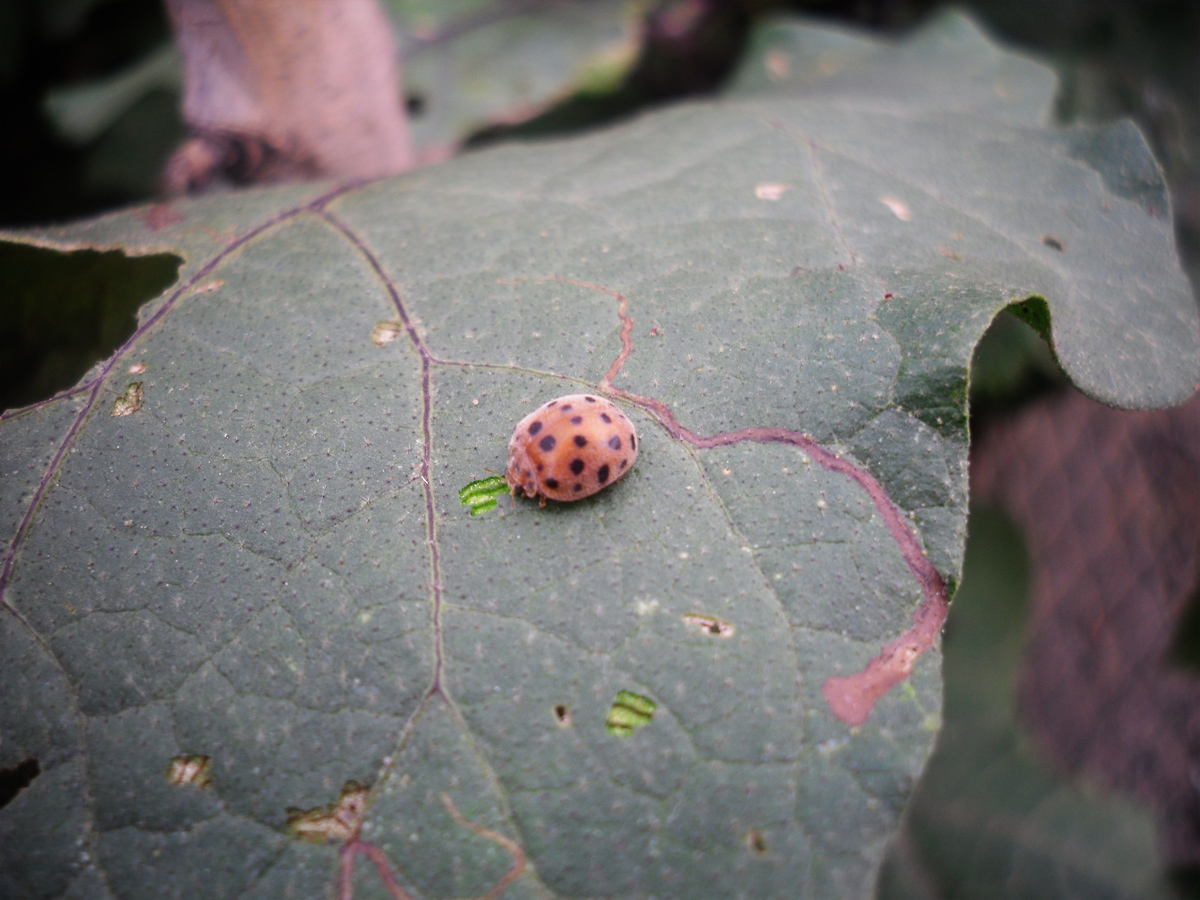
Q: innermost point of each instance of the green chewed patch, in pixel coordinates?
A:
(481, 495)
(629, 712)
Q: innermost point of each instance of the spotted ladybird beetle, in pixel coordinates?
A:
(570, 448)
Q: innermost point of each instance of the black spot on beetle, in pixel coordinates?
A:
(577, 466)
(604, 418)
(535, 428)
(632, 441)
(577, 488)
(624, 463)
(576, 420)
(602, 474)
(547, 443)
(552, 483)
(590, 399)
(567, 408)
(614, 443)
(540, 467)
(580, 440)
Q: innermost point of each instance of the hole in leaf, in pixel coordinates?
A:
(1052, 242)
(709, 625)
(63, 312)
(756, 842)
(16, 778)
(563, 715)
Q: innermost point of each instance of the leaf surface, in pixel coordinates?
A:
(267, 564)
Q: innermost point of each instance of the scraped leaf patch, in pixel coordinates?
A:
(339, 822)
(899, 207)
(194, 771)
(129, 402)
(770, 190)
(384, 333)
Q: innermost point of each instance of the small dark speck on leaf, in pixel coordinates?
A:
(1052, 242)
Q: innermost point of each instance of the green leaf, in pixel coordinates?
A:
(468, 65)
(81, 113)
(267, 565)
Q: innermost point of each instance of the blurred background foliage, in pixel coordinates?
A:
(89, 88)
(89, 93)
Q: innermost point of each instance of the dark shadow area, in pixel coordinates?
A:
(64, 312)
(48, 44)
(1185, 881)
(16, 778)
(1185, 648)
(1012, 364)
